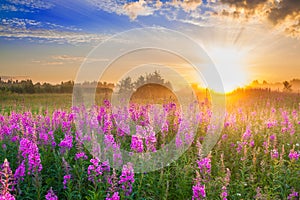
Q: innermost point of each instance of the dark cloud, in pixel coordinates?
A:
(249, 5)
(286, 8)
(278, 12)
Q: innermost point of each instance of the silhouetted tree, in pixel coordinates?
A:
(126, 85)
(287, 87)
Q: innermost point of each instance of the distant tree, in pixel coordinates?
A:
(287, 87)
(265, 82)
(255, 82)
(140, 82)
(125, 85)
(154, 78)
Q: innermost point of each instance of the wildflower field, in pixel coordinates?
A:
(257, 156)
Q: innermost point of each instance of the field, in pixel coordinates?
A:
(44, 154)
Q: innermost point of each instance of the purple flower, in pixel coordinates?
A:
(272, 137)
(137, 144)
(30, 151)
(274, 154)
(204, 165)
(80, 155)
(294, 155)
(20, 172)
(224, 193)
(6, 181)
(96, 170)
(247, 134)
(252, 143)
(198, 192)
(67, 178)
(66, 143)
(293, 195)
(115, 196)
(51, 195)
(7, 196)
(224, 137)
(127, 178)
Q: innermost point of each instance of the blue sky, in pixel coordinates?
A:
(39, 38)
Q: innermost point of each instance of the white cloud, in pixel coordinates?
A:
(46, 32)
(34, 4)
(130, 9)
(138, 8)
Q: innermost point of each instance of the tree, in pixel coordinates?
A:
(287, 87)
(140, 82)
(125, 86)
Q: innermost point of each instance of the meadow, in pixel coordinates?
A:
(43, 154)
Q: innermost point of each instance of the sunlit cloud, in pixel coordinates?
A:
(138, 8)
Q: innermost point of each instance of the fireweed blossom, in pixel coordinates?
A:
(198, 192)
(127, 179)
(6, 181)
(67, 179)
(224, 193)
(294, 155)
(80, 155)
(274, 154)
(66, 143)
(96, 170)
(115, 196)
(51, 195)
(20, 172)
(293, 195)
(204, 165)
(30, 152)
(137, 144)
(67, 169)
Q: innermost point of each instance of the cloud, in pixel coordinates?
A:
(53, 63)
(68, 58)
(282, 14)
(46, 32)
(138, 8)
(186, 5)
(287, 14)
(36, 4)
(76, 59)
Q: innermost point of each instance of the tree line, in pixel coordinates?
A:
(126, 84)
(28, 87)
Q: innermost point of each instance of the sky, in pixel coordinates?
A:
(48, 41)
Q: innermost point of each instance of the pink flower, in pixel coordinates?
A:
(204, 165)
(127, 178)
(67, 178)
(224, 193)
(66, 143)
(294, 155)
(274, 154)
(7, 196)
(20, 172)
(51, 195)
(6, 181)
(198, 192)
(272, 137)
(115, 196)
(224, 137)
(293, 195)
(30, 151)
(137, 144)
(80, 155)
(96, 170)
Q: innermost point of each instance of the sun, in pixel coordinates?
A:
(229, 62)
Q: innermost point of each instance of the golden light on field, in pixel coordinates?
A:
(229, 63)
